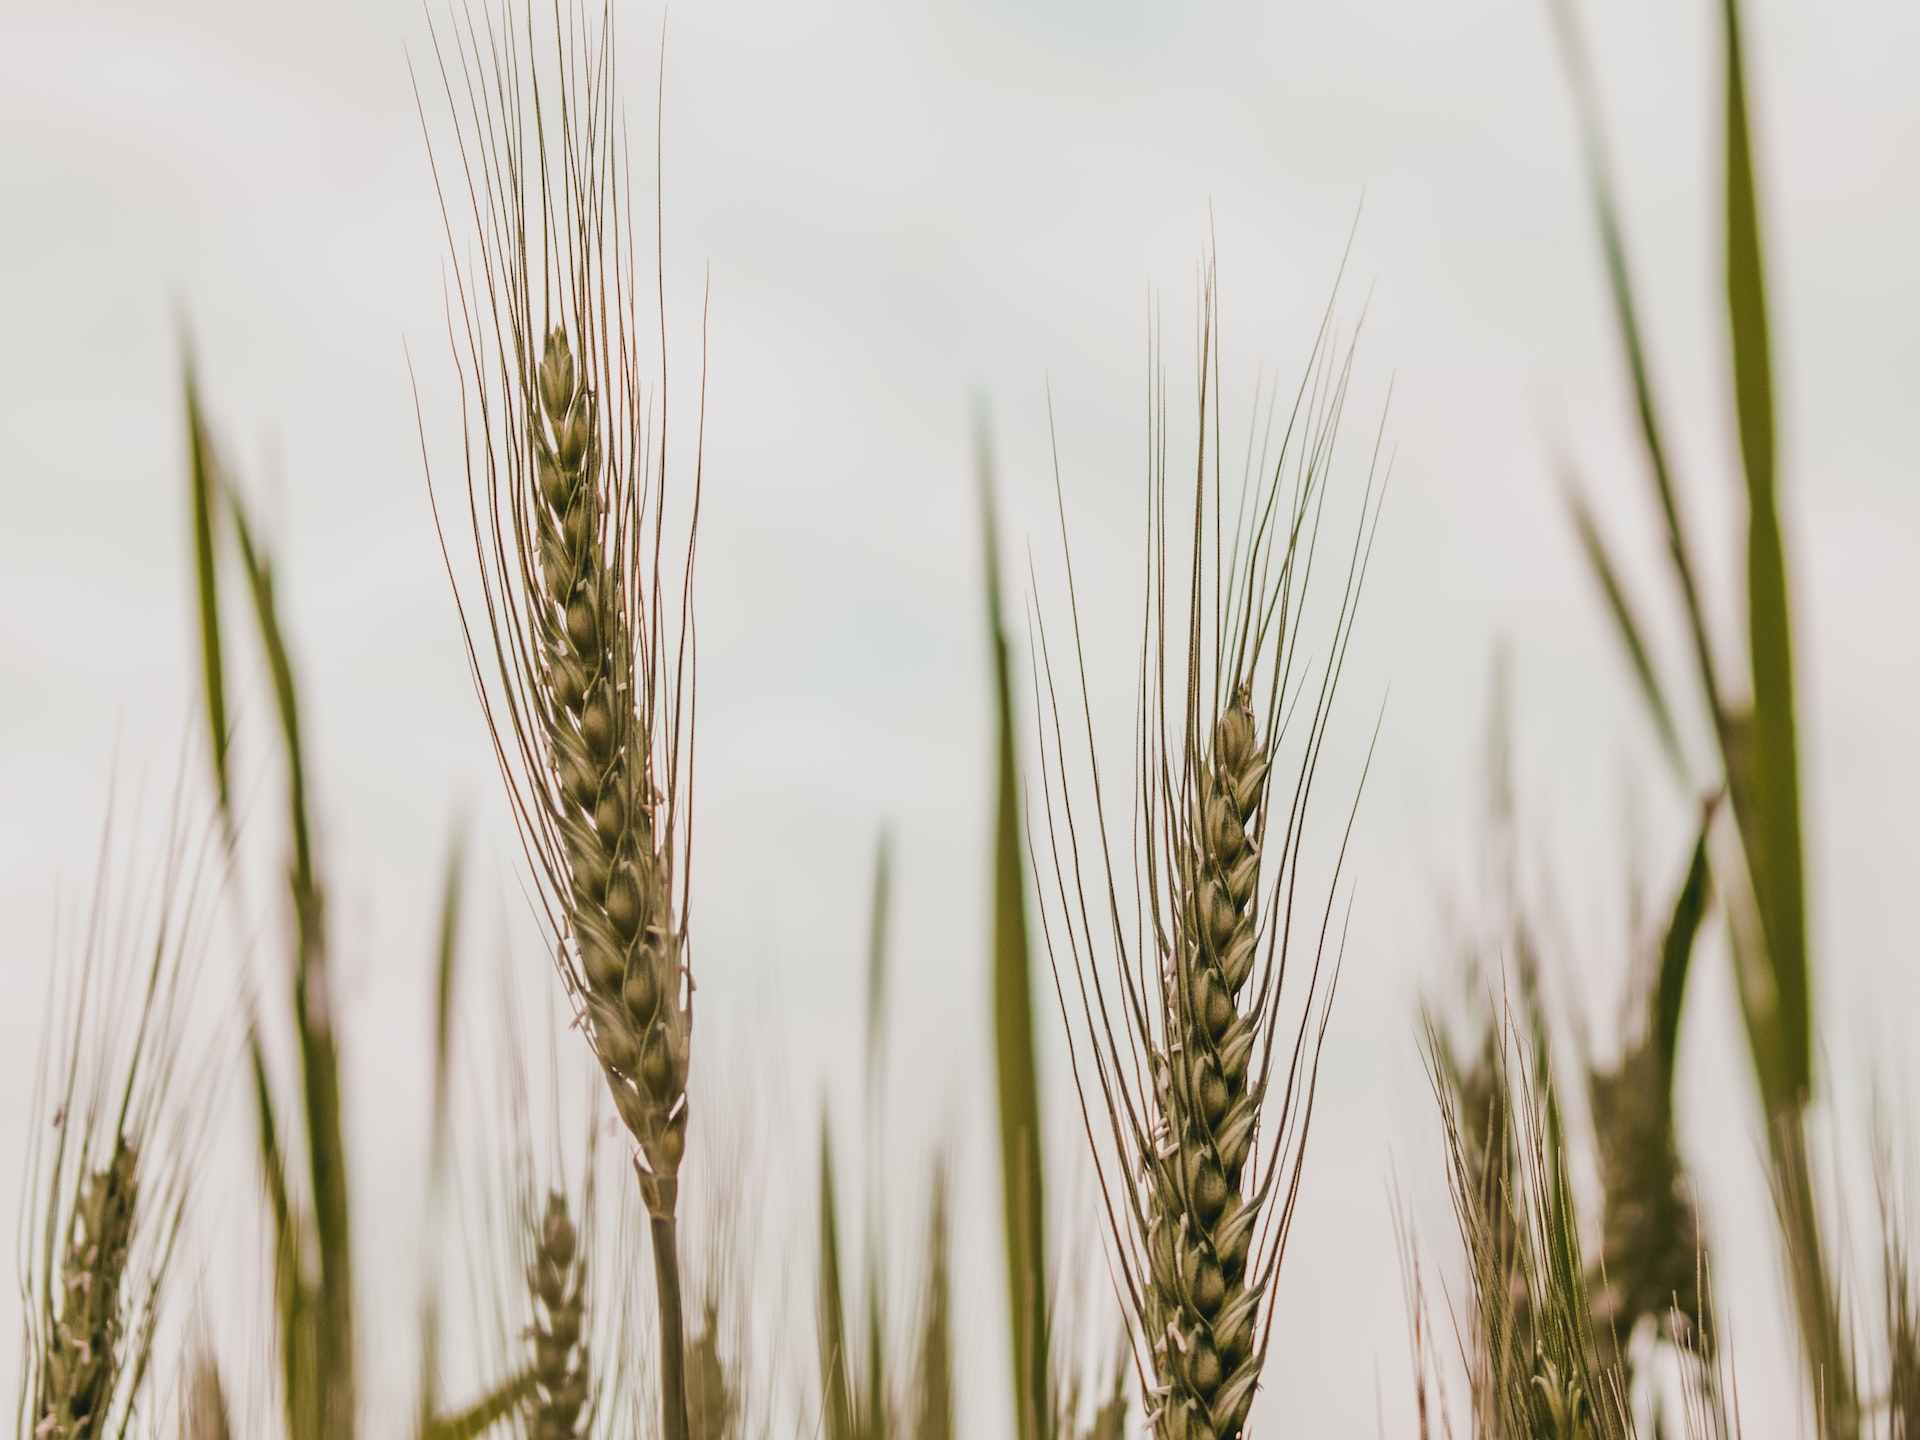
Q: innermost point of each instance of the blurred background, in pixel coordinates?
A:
(897, 215)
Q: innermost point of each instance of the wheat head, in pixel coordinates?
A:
(1196, 1094)
(619, 894)
(556, 1280)
(584, 582)
(80, 1365)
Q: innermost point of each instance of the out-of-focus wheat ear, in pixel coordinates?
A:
(1022, 1155)
(932, 1401)
(558, 1360)
(1110, 1420)
(1651, 1241)
(116, 1140)
(1899, 1295)
(80, 1366)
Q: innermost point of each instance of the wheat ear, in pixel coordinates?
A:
(1200, 1308)
(620, 888)
(557, 1281)
(566, 489)
(1196, 1096)
(81, 1364)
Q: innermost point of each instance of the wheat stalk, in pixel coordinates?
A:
(1196, 1097)
(589, 626)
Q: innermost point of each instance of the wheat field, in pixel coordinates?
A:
(669, 770)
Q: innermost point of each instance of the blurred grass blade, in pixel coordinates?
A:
(446, 954)
(873, 1419)
(1767, 789)
(319, 1060)
(483, 1415)
(292, 1308)
(1016, 1067)
(204, 479)
(877, 956)
(836, 1393)
(1676, 948)
(286, 700)
(1630, 630)
(932, 1402)
(1626, 315)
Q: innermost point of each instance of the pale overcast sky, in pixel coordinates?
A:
(900, 210)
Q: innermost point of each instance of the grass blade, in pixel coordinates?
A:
(204, 480)
(319, 1060)
(292, 1307)
(932, 1405)
(446, 954)
(1626, 315)
(836, 1393)
(1017, 1070)
(1676, 948)
(1630, 631)
(877, 955)
(1767, 789)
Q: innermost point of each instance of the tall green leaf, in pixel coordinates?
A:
(1627, 317)
(446, 952)
(931, 1407)
(313, 1023)
(1766, 788)
(1022, 1176)
(1676, 948)
(204, 481)
(293, 1307)
(1630, 630)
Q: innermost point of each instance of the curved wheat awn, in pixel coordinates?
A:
(584, 580)
(1175, 940)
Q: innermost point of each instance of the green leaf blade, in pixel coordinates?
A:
(204, 483)
(1772, 773)
(1017, 1070)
